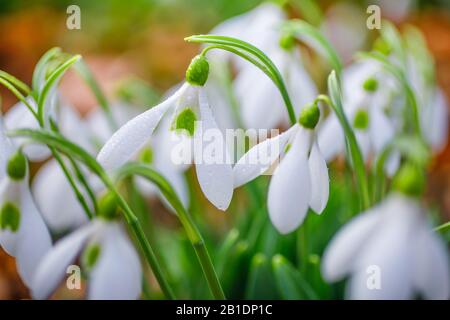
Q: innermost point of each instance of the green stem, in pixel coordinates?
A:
(186, 220)
(134, 224)
(19, 96)
(72, 183)
(16, 82)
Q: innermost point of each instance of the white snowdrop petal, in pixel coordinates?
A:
(320, 183)
(364, 143)
(432, 275)
(34, 238)
(53, 265)
(117, 274)
(127, 141)
(52, 192)
(340, 253)
(212, 163)
(301, 87)
(10, 191)
(19, 117)
(392, 163)
(381, 129)
(260, 157)
(385, 262)
(331, 138)
(289, 189)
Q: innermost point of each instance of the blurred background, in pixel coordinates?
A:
(144, 39)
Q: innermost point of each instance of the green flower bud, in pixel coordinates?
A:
(410, 180)
(287, 41)
(9, 217)
(361, 120)
(309, 116)
(370, 85)
(146, 155)
(108, 207)
(185, 121)
(90, 255)
(17, 166)
(198, 71)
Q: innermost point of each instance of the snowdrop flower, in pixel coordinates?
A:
(301, 179)
(191, 104)
(390, 251)
(368, 93)
(107, 255)
(23, 233)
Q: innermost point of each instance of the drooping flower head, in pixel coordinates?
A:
(107, 256)
(301, 179)
(193, 117)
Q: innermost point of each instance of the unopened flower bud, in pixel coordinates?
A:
(198, 71)
(309, 116)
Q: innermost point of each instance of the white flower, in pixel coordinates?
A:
(368, 95)
(299, 182)
(191, 104)
(23, 233)
(395, 238)
(111, 261)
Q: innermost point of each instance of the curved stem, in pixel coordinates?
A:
(186, 220)
(251, 54)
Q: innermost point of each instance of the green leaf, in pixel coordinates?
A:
(314, 38)
(310, 11)
(41, 66)
(254, 56)
(52, 81)
(261, 282)
(291, 285)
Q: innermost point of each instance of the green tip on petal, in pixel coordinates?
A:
(410, 180)
(309, 116)
(361, 120)
(17, 166)
(287, 41)
(146, 155)
(198, 71)
(185, 121)
(90, 255)
(108, 207)
(370, 85)
(9, 217)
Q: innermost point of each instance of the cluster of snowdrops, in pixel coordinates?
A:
(383, 113)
